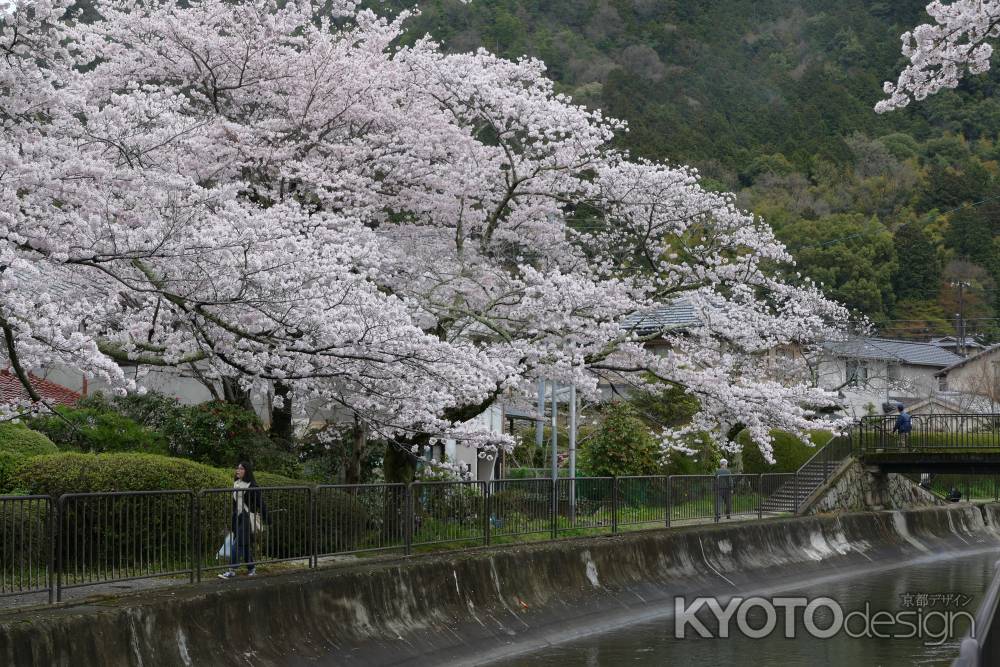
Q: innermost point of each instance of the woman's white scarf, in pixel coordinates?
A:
(240, 487)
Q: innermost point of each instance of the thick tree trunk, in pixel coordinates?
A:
(236, 395)
(281, 417)
(359, 440)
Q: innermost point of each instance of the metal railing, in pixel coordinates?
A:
(982, 648)
(874, 434)
(93, 539)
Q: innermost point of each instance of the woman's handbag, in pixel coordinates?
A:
(256, 522)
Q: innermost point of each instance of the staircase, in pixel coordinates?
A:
(813, 473)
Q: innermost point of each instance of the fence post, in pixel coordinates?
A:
(669, 502)
(487, 497)
(408, 519)
(311, 541)
(554, 507)
(614, 504)
(196, 526)
(191, 536)
(760, 496)
(59, 551)
(52, 547)
(715, 498)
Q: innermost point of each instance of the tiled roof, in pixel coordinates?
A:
(901, 351)
(677, 314)
(961, 362)
(11, 390)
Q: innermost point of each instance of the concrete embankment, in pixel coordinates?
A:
(470, 606)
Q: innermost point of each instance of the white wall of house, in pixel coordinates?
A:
(876, 381)
(481, 469)
(978, 375)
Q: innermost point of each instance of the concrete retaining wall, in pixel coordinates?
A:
(853, 489)
(463, 608)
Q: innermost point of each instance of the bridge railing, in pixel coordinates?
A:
(876, 434)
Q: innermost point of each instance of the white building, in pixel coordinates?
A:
(872, 372)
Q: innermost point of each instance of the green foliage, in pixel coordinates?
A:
(19, 439)
(215, 433)
(95, 429)
(852, 256)
(918, 272)
(789, 452)
(9, 463)
(57, 474)
(222, 434)
(620, 445)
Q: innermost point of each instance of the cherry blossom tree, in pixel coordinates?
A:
(943, 52)
(283, 195)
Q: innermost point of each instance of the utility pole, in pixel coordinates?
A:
(540, 422)
(555, 431)
(572, 450)
(960, 315)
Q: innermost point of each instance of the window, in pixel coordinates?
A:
(943, 383)
(857, 372)
(892, 372)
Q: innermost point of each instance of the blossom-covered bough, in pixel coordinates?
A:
(280, 195)
(943, 52)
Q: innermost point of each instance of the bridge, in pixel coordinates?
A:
(957, 443)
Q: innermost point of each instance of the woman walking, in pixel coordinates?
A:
(249, 514)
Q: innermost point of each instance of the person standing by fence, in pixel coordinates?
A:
(723, 490)
(248, 517)
(903, 426)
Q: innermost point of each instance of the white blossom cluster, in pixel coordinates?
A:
(276, 196)
(941, 53)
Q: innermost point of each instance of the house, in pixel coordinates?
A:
(12, 391)
(977, 374)
(870, 372)
(954, 403)
(966, 347)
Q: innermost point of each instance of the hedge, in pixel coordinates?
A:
(19, 439)
(789, 452)
(18, 443)
(58, 474)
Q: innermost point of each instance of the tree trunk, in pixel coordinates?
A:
(234, 394)
(400, 465)
(281, 417)
(359, 439)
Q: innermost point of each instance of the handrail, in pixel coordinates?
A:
(982, 647)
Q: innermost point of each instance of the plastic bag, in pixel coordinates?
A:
(226, 550)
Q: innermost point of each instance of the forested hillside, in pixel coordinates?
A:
(773, 99)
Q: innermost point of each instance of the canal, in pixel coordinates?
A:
(945, 583)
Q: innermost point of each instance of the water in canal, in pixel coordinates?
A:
(893, 590)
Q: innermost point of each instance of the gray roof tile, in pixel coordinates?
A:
(901, 351)
(677, 314)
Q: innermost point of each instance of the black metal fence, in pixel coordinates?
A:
(89, 539)
(965, 432)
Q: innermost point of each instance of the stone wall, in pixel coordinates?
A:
(856, 489)
(468, 607)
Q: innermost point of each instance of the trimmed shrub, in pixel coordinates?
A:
(98, 430)
(621, 445)
(58, 474)
(19, 439)
(789, 452)
(9, 463)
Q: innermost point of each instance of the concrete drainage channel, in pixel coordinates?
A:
(470, 607)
